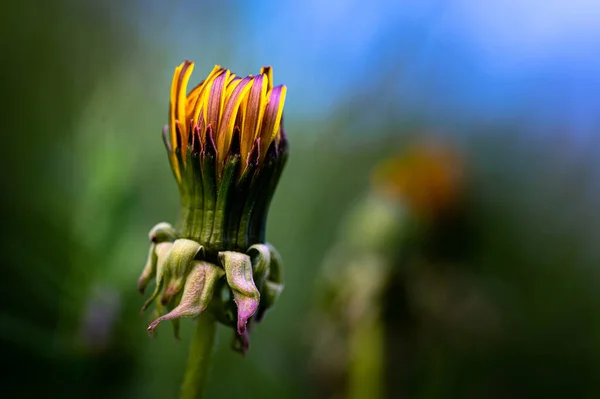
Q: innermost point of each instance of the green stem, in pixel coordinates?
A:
(366, 361)
(196, 372)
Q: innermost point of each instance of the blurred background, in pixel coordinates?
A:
(512, 86)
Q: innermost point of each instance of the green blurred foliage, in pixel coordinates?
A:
(85, 177)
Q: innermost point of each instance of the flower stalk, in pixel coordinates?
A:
(198, 366)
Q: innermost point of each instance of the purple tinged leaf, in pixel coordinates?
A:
(238, 270)
(197, 293)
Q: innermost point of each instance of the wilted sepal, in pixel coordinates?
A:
(149, 270)
(273, 285)
(238, 270)
(161, 250)
(178, 263)
(197, 293)
(162, 232)
(260, 256)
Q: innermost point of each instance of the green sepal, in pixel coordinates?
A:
(209, 181)
(257, 183)
(198, 201)
(192, 199)
(256, 229)
(242, 190)
(226, 184)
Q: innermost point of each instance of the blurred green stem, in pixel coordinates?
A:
(201, 349)
(366, 362)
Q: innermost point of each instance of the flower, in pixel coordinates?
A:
(222, 107)
(428, 177)
(227, 148)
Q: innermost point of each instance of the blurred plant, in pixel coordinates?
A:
(376, 263)
(227, 149)
(63, 60)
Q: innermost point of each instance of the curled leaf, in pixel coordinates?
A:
(197, 293)
(162, 232)
(238, 269)
(161, 250)
(178, 262)
(149, 269)
(273, 286)
(260, 255)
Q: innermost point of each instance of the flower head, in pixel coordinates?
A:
(227, 148)
(427, 177)
(225, 114)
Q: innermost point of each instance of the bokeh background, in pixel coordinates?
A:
(514, 84)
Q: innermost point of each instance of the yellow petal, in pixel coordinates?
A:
(199, 111)
(231, 79)
(229, 116)
(184, 78)
(267, 70)
(272, 118)
(172, 107)
(253, 115)
(214, 97)
(194, 103)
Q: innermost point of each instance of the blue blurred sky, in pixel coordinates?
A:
(534, 60)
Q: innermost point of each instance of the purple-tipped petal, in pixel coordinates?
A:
(272, 118)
